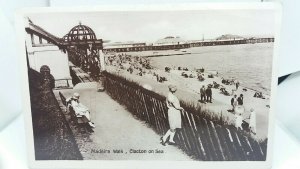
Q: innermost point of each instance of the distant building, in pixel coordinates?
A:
(167, 43)
(169, 40)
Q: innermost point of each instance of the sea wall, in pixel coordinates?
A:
(203, 137)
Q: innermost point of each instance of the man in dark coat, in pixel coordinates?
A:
(208, 94)
(202, 94)
(240, 100)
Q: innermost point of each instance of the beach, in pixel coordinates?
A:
(189, 88)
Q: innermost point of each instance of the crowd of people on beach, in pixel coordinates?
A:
(237, 102)
(140, 66)
(130, 63)
(137, 65)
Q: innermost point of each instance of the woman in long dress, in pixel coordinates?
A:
(252, 122)
(174, 116)
(239, 110)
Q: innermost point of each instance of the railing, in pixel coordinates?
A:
(200, 138)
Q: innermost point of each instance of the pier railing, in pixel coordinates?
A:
(200, 138)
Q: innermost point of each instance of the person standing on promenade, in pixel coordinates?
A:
(240, 100)
(233, 102)
(174, 116)
(202, 94)
(208, 93)
(252, 122)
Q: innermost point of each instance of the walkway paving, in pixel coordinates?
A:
(117, 129)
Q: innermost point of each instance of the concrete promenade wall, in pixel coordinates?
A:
(53, 139)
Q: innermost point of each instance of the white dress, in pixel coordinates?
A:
(174, 115)
(238, 121)
(252, 122)
(239, 110)
(80, 109)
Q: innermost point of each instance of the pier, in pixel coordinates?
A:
(184, 45)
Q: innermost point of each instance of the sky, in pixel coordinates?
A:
(141, 26)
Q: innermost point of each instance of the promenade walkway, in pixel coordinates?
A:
(116, 129)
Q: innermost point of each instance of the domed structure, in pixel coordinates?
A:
(80, 33)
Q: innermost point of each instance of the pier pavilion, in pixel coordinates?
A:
(80, 46)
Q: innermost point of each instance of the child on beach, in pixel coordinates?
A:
(239, 110)
(252, 122)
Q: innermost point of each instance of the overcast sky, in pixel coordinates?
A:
(151, 26)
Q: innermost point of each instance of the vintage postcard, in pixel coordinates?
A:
(150, 86)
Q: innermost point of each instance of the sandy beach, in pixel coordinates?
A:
(189, 91)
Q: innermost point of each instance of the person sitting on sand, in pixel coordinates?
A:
(200, 77)
(252, 122)
(259, 95)
(224, 91)
(202, 94)
(208, 93)
(216, 85)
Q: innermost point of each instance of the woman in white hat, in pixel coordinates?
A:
(81, 109)
(174, 115)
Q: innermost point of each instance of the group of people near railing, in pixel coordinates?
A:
(238, 108)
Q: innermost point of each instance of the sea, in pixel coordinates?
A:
(250, 64)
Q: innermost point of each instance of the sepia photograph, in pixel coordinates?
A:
(151, 85)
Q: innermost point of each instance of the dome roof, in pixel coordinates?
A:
(80, 33)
